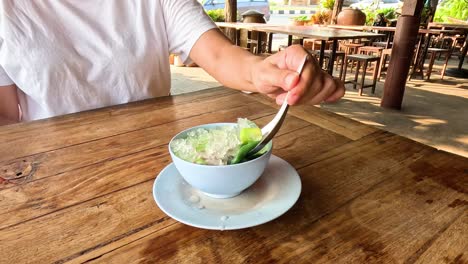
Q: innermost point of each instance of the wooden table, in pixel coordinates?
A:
(249, 27)
(363, 28)
(79, 188)
(320, 33)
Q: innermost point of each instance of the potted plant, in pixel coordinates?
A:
(321, 17)
(299, 20)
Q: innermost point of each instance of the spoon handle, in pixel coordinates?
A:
(270, 130)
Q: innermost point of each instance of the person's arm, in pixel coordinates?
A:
(9, 110)
(239, 69)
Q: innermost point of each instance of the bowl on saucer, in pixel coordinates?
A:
(219, 181)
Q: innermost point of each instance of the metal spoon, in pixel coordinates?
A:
(270, 130)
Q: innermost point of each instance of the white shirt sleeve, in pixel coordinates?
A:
(185, 21)
(4, 78)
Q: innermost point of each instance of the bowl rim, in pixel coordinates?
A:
(213, 166)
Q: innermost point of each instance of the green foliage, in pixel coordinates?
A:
(451, 9)
(301, 18)
(217, 15)
(327, 4)
(371, 13)
(389, 12)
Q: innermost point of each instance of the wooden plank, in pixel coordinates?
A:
(28, 141)
(106, 112)
(80, 228)
(40, 200)
(76, 156)
(327, 185)
(451, 246)
(387, 221)
(330, 121)
(31, 199)
(387, 225)
(302, 145)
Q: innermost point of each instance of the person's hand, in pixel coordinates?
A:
(276, 75)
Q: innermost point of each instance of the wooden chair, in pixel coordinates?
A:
(350, 48)
(314, 44)
(371, 50)
(339, 57)
(364, 60)
(383, 61)
(382, 44)
(434, 52)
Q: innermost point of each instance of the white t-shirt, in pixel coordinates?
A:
(67, 56)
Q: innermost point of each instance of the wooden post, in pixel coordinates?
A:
(336, 10)
(230, 12)
(402, 52)
(434, 4)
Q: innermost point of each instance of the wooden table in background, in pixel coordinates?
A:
(249, 27)
(320, 33)
(459, 71)
(78, 188)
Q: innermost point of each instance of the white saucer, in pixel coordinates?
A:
(274, 193)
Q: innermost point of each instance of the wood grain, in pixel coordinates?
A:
(32, 198)
(106, 123)
(322, 194)
(91, 224)
(330, 121)
(78, 189)
(450, 246)
(76, 156)
(83, 184)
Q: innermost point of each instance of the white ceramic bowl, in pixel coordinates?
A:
(222, 181)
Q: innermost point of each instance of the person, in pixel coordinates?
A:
(60, 57)
(380, 20)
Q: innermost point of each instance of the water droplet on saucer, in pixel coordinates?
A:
(201, 206)
(224, 218)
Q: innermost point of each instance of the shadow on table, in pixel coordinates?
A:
(433, 113)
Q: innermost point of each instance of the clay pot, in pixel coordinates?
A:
(350, 17)
(253, 16)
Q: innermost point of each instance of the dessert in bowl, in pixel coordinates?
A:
(211, 158)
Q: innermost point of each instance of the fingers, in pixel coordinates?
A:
(328, 88)
(280, 98)
(321, 88)
(311, 83)
(277, 75)
(290, 59)
(339, 92)
(273, 78)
